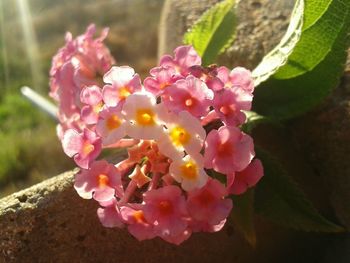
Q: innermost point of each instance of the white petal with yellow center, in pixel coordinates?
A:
(189, 172)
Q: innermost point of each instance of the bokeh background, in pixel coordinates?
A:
(31, 32)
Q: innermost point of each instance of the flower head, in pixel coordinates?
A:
(239, 182)
(190, 95)
(144, 116)
(207, 204)
(78, 64)
(185, 57)
(84, 146)
(228, 150)
(180, 130)
(166, 207)
(101, 182)
(111, 125)
(238, 77)
(189, 171)
(122, 82)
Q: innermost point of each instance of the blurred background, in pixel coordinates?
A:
(31, 32)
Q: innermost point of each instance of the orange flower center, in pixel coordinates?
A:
(113, 122)
(145, 117)
(164, 85)
(87, 148)
(189, 170)
(139, 216)
(103, 180)
(124, 92)
(179, 136)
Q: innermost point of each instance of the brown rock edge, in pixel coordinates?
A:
(49, 222)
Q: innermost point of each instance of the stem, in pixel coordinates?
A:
(129, 191)
(153, 184)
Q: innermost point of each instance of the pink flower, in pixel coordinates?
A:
(190, 94)
(207, 204)
(111, 125)
(92, 97)
(239, 182)
(238, 77)
(74, 67)
(160, 79)
(229, 103)
(123, 82)
(228, 150)
(84, 146)
(109, 214)
(185, 57)
(166, 208)
(208, 75)
(101, 182)
(137, 224)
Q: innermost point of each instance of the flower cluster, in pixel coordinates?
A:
(180, 128)
(80, 63)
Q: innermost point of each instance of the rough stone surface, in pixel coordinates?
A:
(261, 25)
(324, 135)
(49, 222)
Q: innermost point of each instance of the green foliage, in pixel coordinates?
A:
(214, 31)
(314, 66)
(317, 39)
(29, 145)
(278, 198)
(243, 215)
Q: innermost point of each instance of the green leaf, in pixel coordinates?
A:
(313, 68)
(214, 31)
(278, 198)
(316, 41)
(243, 215)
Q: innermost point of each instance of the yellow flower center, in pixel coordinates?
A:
(179, 136)
(97, 107)
(145, 117)
(113, 122)
(189, 170)
(164, 85)
(124, 92)
(87, 148)
(103, 180)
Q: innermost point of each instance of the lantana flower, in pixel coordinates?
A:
(185, 57)
(84, 146)
(77, 65)
(228, 150)
(179, 129)
(144, 116)
(190, 94)
(189, 171)
(122, 82)
(101, 182)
